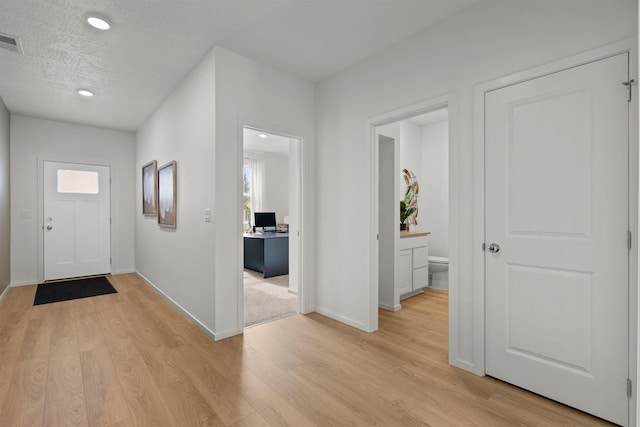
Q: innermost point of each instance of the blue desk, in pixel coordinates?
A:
(267, 253)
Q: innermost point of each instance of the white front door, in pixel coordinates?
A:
(76, 220)
(557, 207)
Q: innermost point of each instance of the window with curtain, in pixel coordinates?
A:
(252, 189)
(246, 195)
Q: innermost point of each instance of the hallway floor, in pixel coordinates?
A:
(131, 359)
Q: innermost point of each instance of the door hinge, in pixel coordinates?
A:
(484, 246)
(629, 85)
(629, 387)
(629, 239)
(377, 237)
(110, 260)
(109, 220)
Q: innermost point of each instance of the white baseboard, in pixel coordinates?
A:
(191, 317)
(466, 365)
(389, 307)
(5, 291)
(293, 292)
(24, 283)
(411, 294)
(123, 272)
(342, 319)
(227, 334)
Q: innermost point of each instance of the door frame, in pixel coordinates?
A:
(624, 46)
(450, 102)
(306, 300)
(40, 205)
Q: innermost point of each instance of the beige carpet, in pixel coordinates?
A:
(267, 299)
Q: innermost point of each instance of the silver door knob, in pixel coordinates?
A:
(494, 247)
(49, 227)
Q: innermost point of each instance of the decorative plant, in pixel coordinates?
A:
(409, 204)
(406, 211)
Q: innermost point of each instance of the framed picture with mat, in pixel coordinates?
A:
(167, 195)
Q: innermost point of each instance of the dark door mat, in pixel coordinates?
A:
(73, 289)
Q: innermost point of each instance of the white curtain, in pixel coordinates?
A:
(257, 185)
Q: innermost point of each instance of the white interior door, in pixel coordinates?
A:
(76, 220)
(388, 297)
(294, 214)
(557, 206)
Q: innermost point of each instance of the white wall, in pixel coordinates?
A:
(249, 93)
(5, 205)
(180, 261)
(35, 140)
(434, 187)
(493, 38)
(275, 188)
(200, 126)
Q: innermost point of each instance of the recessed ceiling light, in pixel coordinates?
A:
(262, 135)
(85, 92)
(98, 22)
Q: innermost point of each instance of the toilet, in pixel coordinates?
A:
(438, 272)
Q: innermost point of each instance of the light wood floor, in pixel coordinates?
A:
(131, 359)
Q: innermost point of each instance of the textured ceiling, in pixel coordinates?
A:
(155, 43)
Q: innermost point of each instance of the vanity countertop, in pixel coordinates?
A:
(404, 233)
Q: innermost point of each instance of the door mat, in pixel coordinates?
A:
(72, 289)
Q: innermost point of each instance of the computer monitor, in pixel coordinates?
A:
(265, 219)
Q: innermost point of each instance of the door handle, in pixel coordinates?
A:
(49, 227)
(494, 247)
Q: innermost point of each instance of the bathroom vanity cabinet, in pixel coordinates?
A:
(413, 271)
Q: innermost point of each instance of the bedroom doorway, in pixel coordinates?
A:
(271, 224)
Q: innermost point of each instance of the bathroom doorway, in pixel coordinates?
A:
(414, 174)
(271, 218)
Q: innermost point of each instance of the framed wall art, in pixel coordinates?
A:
(150, 189)
(167, 195)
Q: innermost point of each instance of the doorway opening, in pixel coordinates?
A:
(413, 174)
(271, 219)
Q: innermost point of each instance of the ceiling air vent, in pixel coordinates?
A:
(10, 43)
